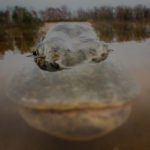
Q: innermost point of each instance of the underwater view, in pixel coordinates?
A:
(75, 79)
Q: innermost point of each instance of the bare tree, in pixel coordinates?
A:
(124, 13)
(53, 14)
(66, 13)
(81, 14)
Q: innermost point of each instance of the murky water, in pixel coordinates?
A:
(134, 134)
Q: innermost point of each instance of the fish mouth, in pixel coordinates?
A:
(77, 124)
(70, 107)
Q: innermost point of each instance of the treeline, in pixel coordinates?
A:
(23, 16)
(105, 13)
(120, 13)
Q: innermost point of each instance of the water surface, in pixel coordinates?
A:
(134, 134)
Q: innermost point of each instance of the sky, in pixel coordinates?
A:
(73, 4)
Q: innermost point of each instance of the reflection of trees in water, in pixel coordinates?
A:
(121, 31)
(23, 38)
(6, 40)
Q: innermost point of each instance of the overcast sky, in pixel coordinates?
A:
(73, 4)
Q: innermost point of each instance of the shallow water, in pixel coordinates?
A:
(134, 134)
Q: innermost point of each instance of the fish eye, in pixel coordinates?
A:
(34, 53)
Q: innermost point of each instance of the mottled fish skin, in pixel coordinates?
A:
(77, 125)
(70, 44)
(80, 98)
(84, 86)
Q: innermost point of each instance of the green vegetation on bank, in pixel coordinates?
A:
(20, 17)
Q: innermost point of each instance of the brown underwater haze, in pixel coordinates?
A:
(132, 49)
